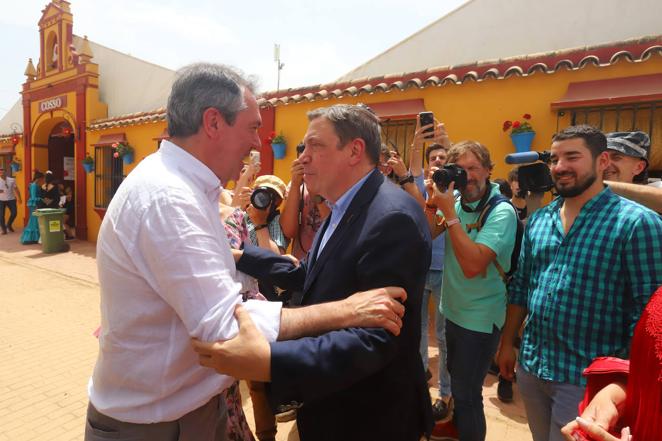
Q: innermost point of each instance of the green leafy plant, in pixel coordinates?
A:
(276, 139)
(88, 159)
(518, 126)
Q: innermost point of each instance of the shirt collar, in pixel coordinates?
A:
(588, 206)
(193, 168)
(343, 201)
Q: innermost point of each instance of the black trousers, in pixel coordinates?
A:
(12, 213)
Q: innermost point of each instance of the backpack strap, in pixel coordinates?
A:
(480, 223)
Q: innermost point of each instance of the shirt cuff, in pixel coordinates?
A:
(266, 316)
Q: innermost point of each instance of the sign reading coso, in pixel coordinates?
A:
(53, 103)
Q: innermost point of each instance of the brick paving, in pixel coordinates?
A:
(49, 307)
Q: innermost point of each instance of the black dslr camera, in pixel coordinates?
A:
(450, 173)
(262, 198)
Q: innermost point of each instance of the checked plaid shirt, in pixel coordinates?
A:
(585, 291)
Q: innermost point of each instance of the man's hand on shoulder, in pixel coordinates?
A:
(247, 356)
(377, 308)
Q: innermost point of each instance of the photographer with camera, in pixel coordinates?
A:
(263, 217)
(303, 212)
(473, 291)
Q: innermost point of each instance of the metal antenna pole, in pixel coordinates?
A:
(279, 65)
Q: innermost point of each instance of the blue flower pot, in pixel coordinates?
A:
(127, 158)
(88, 167)
(522, 141)
(15, 166)
(279, 150)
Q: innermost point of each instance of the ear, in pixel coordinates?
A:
(603, 161)
(641, 166)
(356, 151)
(213, 123)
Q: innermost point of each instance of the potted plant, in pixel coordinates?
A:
(88, 163)
(123, 150)
(15, 165)
(521, 133)
(278, 144)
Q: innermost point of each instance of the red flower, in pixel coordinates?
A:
(114, 145)
(507, 125)
(526, 116)
(116, 155)
(516, 124)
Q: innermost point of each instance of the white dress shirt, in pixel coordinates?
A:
(166, 274)
(7, 189)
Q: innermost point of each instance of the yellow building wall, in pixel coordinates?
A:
(474, 110)
(141, 138)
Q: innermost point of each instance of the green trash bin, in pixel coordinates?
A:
(51, 229)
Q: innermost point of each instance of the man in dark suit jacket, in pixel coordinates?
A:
(356, 383)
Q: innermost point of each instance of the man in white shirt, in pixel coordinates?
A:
(8, 195)
(167, 274)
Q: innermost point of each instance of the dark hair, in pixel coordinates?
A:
(351, 122)
(431, 148)
(504, 188)
(48, 177)
(595, 140)
(199, 87)
(37, 175)
(513, 175)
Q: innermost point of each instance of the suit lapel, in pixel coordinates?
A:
(362, 197)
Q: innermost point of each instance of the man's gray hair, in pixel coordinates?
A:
(201, 86)
(351, 122)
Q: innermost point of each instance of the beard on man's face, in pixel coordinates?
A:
(580, 186)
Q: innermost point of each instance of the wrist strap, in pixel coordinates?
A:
(259, 227)
(450, 223)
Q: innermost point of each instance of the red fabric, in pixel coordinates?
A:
(643, 404)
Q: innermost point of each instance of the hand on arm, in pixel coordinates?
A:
(436, 227)
(375, 308)
(248, 354)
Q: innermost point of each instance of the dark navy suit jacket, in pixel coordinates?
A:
(356, 384)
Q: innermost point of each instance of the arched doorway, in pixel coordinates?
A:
(61, 153)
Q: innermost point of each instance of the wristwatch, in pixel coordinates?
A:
(409, 178)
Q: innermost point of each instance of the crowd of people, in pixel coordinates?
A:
(44, 192)
(317, 292)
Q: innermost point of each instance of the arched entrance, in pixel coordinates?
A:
(55, 144)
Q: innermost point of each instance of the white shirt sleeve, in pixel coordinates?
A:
(187, 259)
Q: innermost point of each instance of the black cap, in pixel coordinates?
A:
(635, 144)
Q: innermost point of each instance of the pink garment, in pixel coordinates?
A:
(311, 220)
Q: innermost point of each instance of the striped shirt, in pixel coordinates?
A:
(585, 291)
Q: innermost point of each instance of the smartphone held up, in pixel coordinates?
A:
(425, 119)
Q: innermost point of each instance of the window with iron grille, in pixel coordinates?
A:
(398, 135)
(646, 117)
(108, 175)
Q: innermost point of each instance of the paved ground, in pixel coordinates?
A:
(48, 311)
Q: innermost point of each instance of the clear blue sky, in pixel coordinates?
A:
(319, 41)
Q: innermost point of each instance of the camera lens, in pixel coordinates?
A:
(261, 198)
(442, 178)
